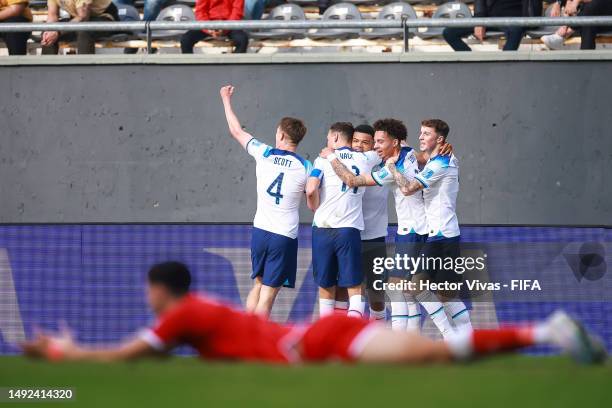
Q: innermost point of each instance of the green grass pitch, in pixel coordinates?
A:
(517, 382)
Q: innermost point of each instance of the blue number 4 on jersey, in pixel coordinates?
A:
(278, 182)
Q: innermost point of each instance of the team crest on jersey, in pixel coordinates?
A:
(427, 173)
(383, 173)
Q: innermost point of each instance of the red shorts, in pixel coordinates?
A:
(335, 337)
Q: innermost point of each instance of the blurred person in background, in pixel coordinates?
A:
(151, 9)
(15, 11)
(254, 9)
(220, 332)
(495, 8)
(217, 10)
(580, 8)
(80, 11)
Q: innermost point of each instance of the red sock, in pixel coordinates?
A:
(504, 339)
(342, 310)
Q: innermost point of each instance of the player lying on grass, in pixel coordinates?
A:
(219, 332)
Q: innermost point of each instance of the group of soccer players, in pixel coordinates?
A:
(347, 188)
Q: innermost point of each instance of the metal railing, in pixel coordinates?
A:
(148, 27)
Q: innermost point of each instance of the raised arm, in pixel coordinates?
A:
(64, 348)
(313, 198)
(232, 120)
(347, 176)
(407, 187)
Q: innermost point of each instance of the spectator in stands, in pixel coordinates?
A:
(79, 10)
(152, 8)
(217, 10)
(495, 8)
(254, 9)
(580, 8)
(15, 11)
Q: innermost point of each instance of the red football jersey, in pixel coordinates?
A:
(219, 332)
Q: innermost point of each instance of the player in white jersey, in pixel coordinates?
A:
(338, 220)
(281, 182)
(412, 226)
(375, 221)
(439, 181)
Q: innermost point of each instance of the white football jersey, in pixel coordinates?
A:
(281, 181)
(440, 177)
(410, 209)
(375, 213)
(341, 206)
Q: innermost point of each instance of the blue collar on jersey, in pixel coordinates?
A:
(281, 152)
(444, 160)
(403, 152)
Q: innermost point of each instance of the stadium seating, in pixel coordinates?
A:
(393, 11)
(38, 4)
(607, 34)
(175, 12)
(454, 9)
(360, 2)
(447, 10)
(340, 11)
(126, 13)
(281, 40)
(303, 2)
(283, 12)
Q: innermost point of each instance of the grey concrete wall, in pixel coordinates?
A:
(149, 143)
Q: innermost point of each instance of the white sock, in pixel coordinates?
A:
(436, 311)
(356, 306)
(378, 316)
(413, 323)
(460, 345)
(341, 306)
(542, 333)
(459, 315)
(399, 315)
(326, 307)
